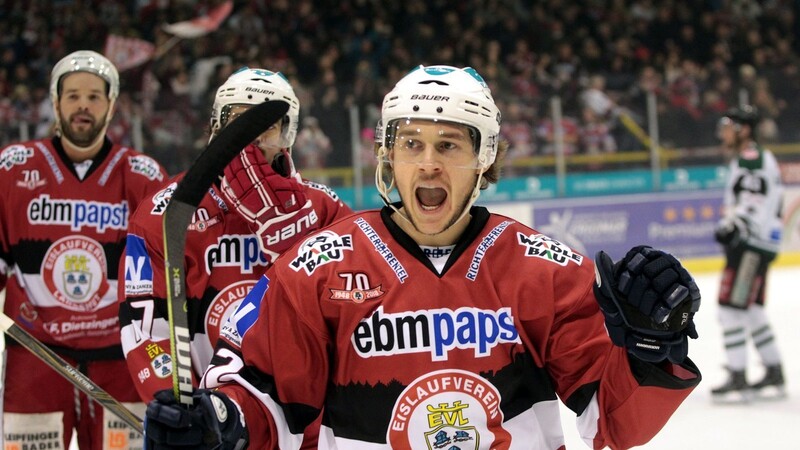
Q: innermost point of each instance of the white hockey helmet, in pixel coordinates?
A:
(251, 86)
(445, 93)
(85, 61)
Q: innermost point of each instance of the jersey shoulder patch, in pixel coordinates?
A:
(322, 188)
(138, 267)
(161, 199)
(15, 155)
(146, 166)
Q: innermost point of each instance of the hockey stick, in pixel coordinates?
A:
(191, 189)
(73, 375)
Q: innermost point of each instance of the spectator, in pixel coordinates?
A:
(313, 145)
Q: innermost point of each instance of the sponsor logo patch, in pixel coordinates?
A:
(322, 248)
(15, 155)
(138, 267)
(246, 314)
(486, 242)
(382, 249)
(161, 199)
(147, 166)
(434, 331)
(235, 250)
(543, 247)
(77, 214)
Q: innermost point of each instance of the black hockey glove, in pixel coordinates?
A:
(732, 232)
(214, 422)
(649, 301)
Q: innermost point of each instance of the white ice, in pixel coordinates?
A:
(699, 424)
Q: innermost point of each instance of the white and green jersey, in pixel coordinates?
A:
(754, 192)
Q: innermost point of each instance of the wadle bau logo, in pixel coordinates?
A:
(15, 155)
(320, 249)
(541, 246)
(147, 166)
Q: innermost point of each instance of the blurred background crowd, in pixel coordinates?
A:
(599, 58)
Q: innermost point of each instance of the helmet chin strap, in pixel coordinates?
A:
(385, 190)
(100, 136)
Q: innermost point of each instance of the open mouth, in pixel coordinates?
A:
(431, 199)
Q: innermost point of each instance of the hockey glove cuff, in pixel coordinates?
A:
(649, 301)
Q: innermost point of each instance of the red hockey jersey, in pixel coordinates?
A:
(356, 322)
(61, 238)
(222, 260)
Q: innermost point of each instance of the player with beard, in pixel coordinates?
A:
(64, 208)
(433, 323)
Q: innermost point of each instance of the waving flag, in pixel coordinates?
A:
(127, 53)
(202, 25)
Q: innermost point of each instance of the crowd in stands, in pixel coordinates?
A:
(600, 58)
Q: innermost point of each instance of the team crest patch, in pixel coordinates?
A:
(223, 305)
(322, 248)
(160, 361)
(15, 155)
(74, 271)
(147, 166)
(541, 246)
(448, 409)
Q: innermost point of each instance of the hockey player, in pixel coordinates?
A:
(233, 236)
(64, 207)
(750, 234)
(433, 323)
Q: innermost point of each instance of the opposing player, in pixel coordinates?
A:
(750, 234)
(64, 208)
(433, 323)
(261, 207)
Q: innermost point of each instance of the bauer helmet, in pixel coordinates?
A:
(85, 61)
(248, 86)
(448, 94)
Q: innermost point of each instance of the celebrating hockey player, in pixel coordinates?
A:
(261, 207)
(750, 234)
(432, 323)
(64, 207)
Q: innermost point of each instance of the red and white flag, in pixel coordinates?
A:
(202, 25)
(127, 53)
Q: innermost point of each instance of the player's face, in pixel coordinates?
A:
(82, 107)
(434, 166)
(727, 131)
(269, 141)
